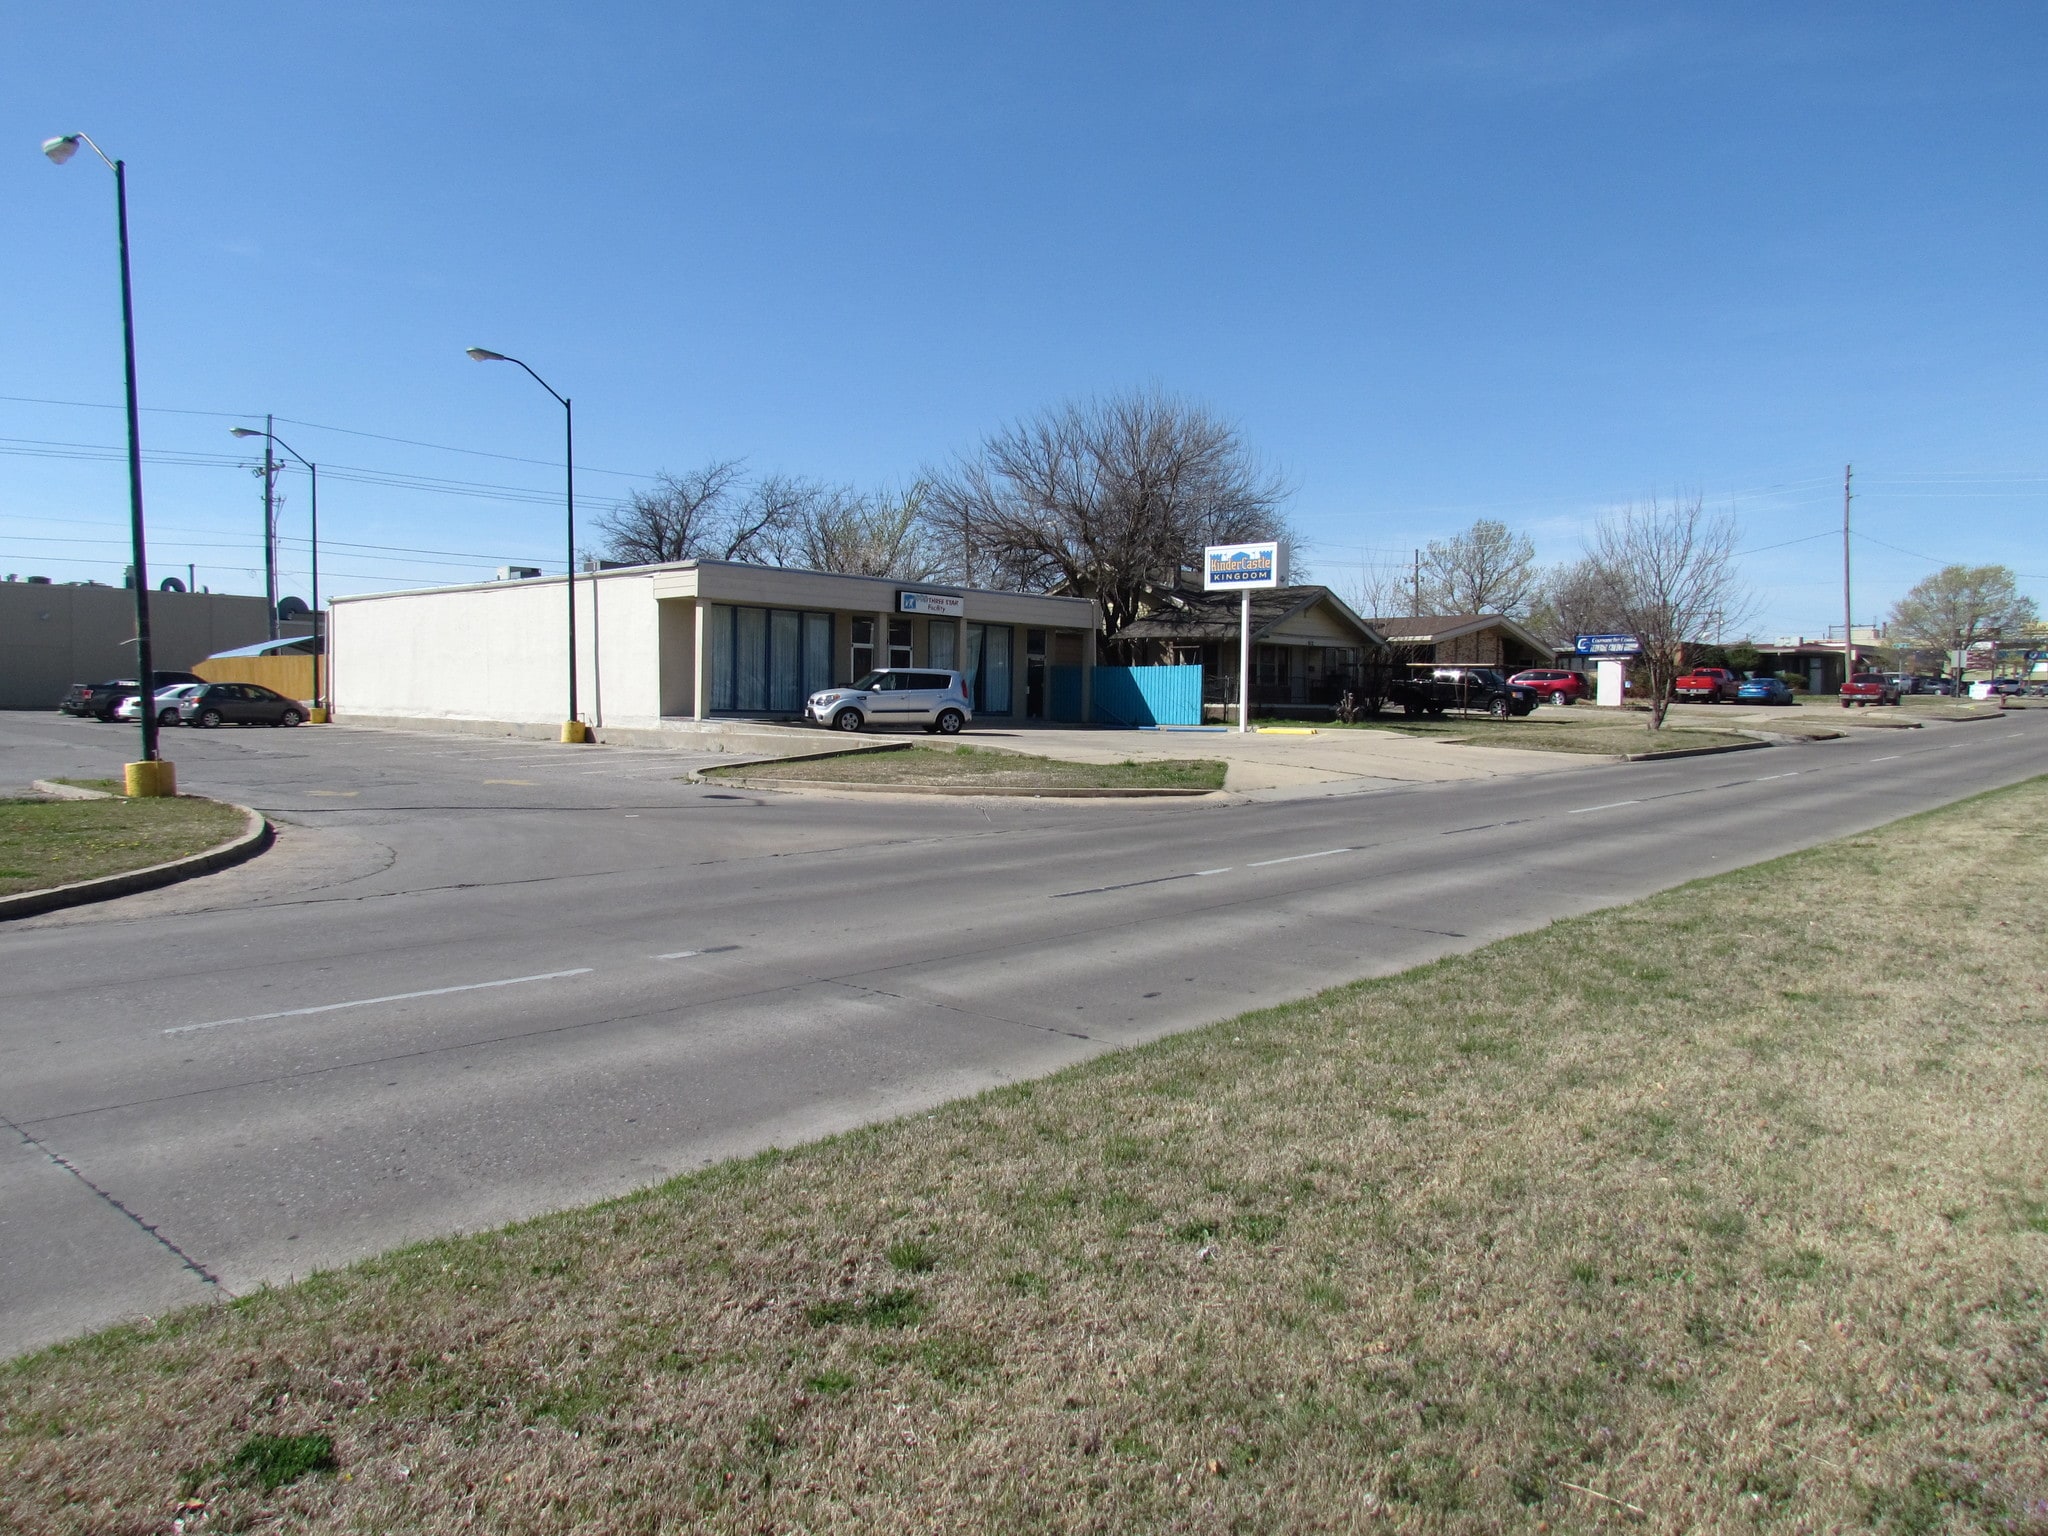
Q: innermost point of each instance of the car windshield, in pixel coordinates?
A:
(870, 681)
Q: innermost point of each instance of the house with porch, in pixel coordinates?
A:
(1308, 647)
(1465, 640)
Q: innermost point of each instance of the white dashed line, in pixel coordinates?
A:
(366, 1002)
(1294, 857)
(1893, 758)
(1610, 806)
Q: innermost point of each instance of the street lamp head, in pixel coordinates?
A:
(243, 432)
(61, 149)
(486, 355)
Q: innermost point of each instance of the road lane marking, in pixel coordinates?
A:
(366, 1002)
(522, 783)
(338, 794)
(1293, 857)
(1609, 806)
(691, 954)
(1893, 758)
(1226, 869)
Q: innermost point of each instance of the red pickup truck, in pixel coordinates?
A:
(1707, 685)
(1869, 688)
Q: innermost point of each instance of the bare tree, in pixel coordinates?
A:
(1485, 569)
(1572, 599)
(1381, 590)
(1108, 498)
(684, 517)
(883, 534)
(1960, 606)
(1667, 571)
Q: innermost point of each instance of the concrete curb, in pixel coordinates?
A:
(255, 836)
(1736, 746)
(1010, 790)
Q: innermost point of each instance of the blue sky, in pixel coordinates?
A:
(1440, 261)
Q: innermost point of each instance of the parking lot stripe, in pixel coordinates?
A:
(366, 1002)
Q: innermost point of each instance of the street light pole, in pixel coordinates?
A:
(152, 776)
(269, 529)
(272, 440)
(573, 728)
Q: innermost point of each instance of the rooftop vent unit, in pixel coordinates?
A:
(518, 572)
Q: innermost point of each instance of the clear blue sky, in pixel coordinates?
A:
(1439, 261)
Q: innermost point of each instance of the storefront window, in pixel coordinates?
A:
(863, 647)
(765, 660)
(942, 644)
(899, 643)
(988, 668)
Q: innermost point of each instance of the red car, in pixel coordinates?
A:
(1555, 687)
(1869, 688)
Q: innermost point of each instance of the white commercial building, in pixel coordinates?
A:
(696, 640)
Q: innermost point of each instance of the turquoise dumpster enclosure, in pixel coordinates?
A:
(1132, 696)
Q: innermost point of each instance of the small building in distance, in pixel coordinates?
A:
(1465, 640)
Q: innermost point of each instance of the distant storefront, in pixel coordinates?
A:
(700, 640)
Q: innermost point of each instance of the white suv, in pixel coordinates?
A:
(895, 696)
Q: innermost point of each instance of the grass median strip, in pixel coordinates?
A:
(55, 842)
(1706, 1213)
(1551, 732)
(969, 766)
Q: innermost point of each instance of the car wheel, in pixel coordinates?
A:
(210, 718)
(1412, 711)
(1500, 709)
(290, 717)
(167, 717)
(847, 720)
(949, 722)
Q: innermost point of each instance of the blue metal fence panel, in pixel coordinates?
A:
(1148, 696)
(1066, 694)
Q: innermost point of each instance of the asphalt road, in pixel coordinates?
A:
(481, 979)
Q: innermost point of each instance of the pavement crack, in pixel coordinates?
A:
(970, 1013)
(149, 1229)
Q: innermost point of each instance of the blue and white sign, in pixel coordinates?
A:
(940, 605)
(1229, 566)
(1606, 645)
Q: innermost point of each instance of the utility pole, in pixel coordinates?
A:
(269, 530)
(1848, 620)
(1418, 583)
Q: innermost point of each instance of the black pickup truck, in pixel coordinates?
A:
(1462, 688)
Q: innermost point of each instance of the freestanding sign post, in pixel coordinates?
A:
(1245, 567)
(1610, 652)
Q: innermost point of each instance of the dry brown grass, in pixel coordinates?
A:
(1706, 1208)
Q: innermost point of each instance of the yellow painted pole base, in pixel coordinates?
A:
(149, 781)
(317, 715)
(575, 731)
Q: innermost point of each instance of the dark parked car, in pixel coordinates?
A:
(238, 704)
(1765, 690)
(1462, 688)
(101, 699)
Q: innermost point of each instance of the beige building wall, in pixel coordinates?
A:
(499, 651)
(54, 636)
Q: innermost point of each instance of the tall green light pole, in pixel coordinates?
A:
(573, 729)
(151, 776)
(272, 440)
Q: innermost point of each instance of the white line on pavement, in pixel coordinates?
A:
(1226, 869)
(365, 1002)
(1609, 806)
(1292, 857)
(1893, 758)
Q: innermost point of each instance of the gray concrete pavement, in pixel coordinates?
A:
(478, 980)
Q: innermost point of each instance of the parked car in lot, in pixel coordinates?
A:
(1765, 690)
(1553, 686)
(1868, 688)
(1464, 688)
(1707, 685)
(1997, 688)
(130, 707)
(100, 700)
(215, 704)
(895, 696)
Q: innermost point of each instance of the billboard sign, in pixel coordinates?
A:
(940, 605)
(1606, 645)
(1228, 567)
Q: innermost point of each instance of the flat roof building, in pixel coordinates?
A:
(697, 640)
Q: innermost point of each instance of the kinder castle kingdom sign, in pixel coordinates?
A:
(1225, 566)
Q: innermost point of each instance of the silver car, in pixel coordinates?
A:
(130, 707)
(895, 696)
